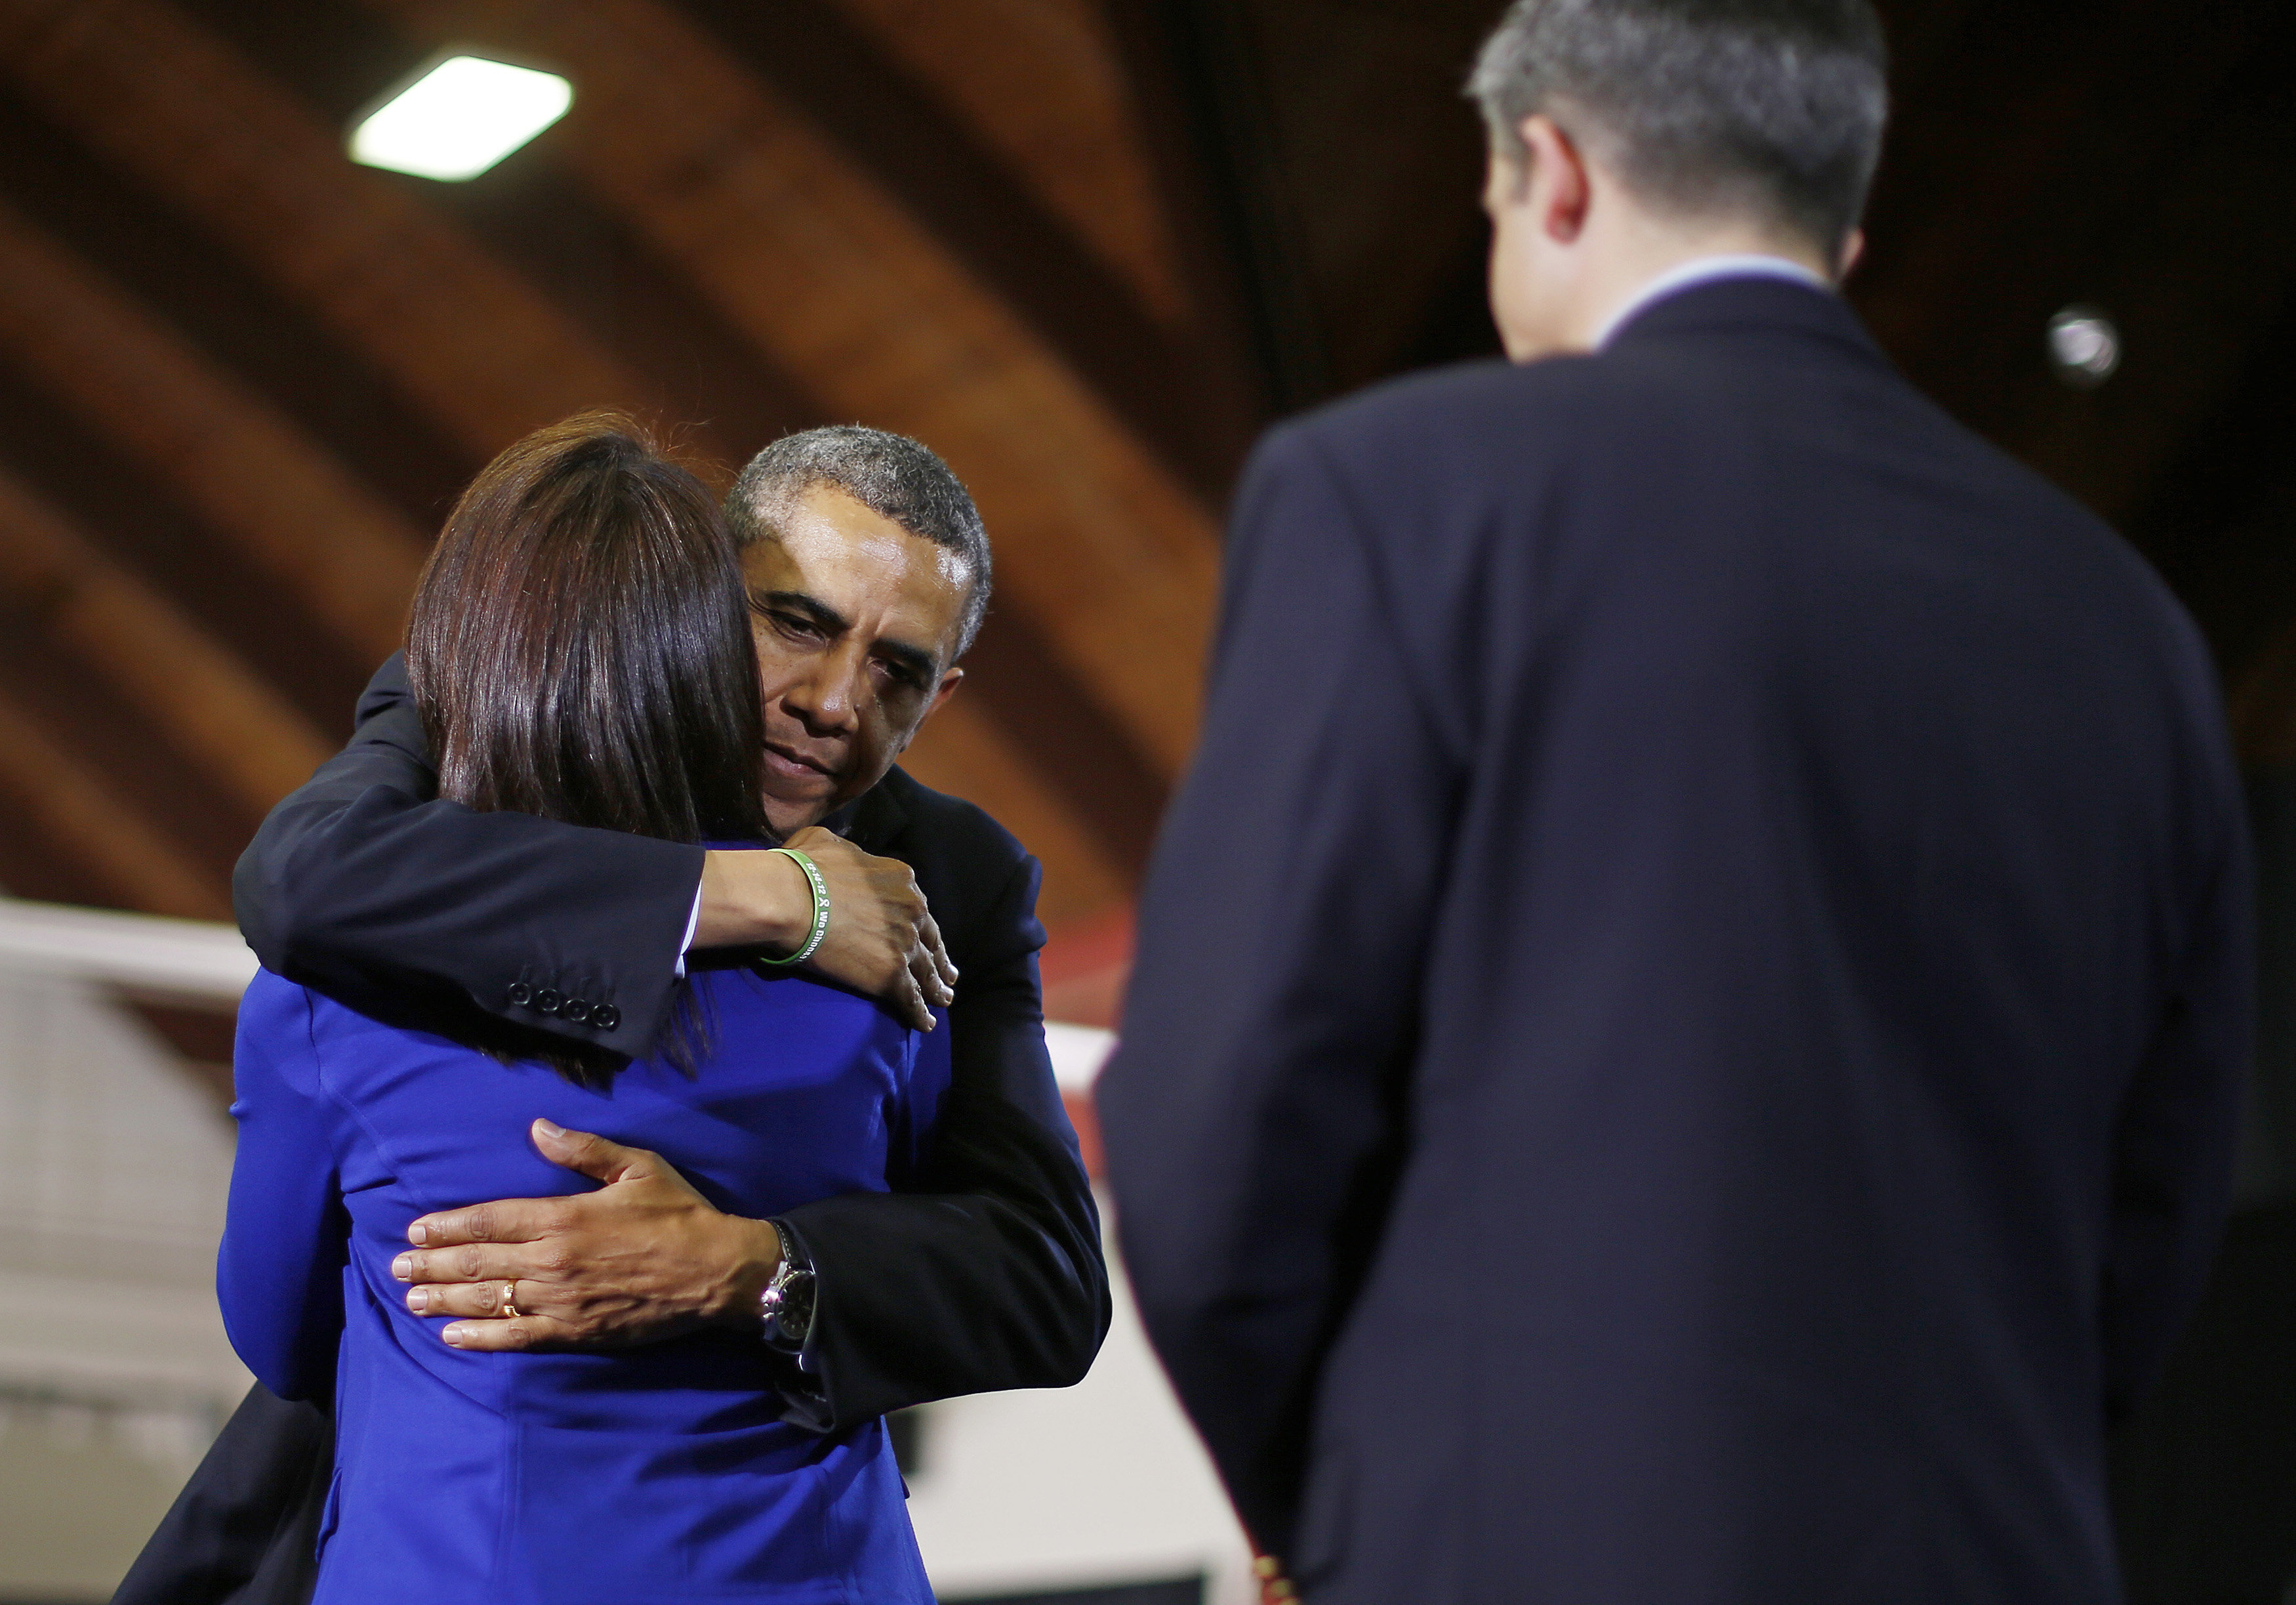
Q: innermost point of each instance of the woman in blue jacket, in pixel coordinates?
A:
(579, 648)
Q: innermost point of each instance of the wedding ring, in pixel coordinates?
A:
(509, 1301)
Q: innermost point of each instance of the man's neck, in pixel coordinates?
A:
(1699, 270)
(1647, 268)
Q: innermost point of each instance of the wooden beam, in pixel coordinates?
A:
(1082, 757)
(470, 341)
(962, 753)
(249, 472)
(1191, 399)
(809, 257)
(140, 523)
(191, 279)
(538, 219)
(1202, 91)
(232, 724)
(477, 348)
(1042, 81)
(84, 821)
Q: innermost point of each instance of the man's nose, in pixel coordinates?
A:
(826, 698)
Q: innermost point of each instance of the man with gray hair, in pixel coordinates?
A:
(895, 477)
(869, 572)
(1693, 1054)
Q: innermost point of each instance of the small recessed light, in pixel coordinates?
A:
(460, 117)
(2084, 346)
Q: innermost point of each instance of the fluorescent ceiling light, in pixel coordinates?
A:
(461, 117)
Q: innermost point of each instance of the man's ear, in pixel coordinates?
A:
(944, 691)
(941, 694)
(1555, 172)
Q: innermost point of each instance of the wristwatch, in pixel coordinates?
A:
(787, 1302)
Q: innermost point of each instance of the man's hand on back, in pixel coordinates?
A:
(644, 1257)
(882, 941)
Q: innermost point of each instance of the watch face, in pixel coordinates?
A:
(787, 1304)
(797, 1307)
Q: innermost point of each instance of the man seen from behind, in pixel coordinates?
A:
(1690, 1015)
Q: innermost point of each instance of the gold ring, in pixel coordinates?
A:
(509, 1303)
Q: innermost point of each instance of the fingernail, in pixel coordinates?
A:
(418, 1234)
(419, 1300)
(403, 1267)
(549, 1130)
(453, 1335)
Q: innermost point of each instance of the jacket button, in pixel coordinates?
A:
(605, 1017)
(548, 1000)
(521, 994)
(576, 1009)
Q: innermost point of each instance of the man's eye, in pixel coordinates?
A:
(788, 624)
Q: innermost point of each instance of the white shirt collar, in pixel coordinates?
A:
(1701, 270)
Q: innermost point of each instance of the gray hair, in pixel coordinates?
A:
(1704, 107)
(892, 476)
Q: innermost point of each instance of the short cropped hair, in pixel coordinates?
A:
(1705, 108)
(892, 476)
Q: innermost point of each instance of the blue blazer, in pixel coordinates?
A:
(658, 1474)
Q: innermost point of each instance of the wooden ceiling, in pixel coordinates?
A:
(1084, 247)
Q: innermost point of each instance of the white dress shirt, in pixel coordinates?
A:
(692, 924)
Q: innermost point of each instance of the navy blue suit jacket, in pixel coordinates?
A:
(1690, 1015)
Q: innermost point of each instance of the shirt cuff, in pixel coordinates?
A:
(692, 924)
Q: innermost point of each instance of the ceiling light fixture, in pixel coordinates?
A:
(460, 117)
(2084, 346)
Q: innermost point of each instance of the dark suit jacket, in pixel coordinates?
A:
(987, 1276)
(1689, 1017)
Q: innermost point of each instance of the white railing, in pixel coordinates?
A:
(191, 959)
(113, 1168)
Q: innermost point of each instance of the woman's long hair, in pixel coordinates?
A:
(580, 649)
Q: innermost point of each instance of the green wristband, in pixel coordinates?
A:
(820, 908)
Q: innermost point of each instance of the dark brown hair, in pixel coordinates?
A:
(580, 649)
